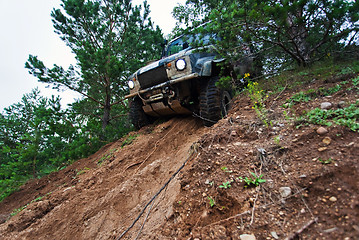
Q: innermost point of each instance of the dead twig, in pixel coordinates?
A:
(261, 207)
(254, 207)
(299, 231)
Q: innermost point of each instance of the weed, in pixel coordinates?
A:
(287, 117)
(276, 139)
(355, 82)
(16, 211)
(225, 169)
(226, 185)
(212, 202)
(106, 157)
(255, 181)
(82, 171)
(258, 98)
(344, 116)
(328, 161)
(129, 140)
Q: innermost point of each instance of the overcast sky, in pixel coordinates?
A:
(26, 28)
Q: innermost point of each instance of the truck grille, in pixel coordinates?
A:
(153, 77)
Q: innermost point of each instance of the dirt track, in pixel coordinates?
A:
(100, 197)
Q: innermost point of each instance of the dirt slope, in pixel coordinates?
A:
(97, 201)
(303, 197)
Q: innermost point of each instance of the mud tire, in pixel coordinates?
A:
(214, 103)
(137, 116)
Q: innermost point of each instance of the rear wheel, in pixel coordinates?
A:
(137, 116)
(214, 102)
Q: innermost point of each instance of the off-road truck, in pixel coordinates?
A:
(182, 82)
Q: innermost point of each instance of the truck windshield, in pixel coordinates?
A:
(184, 42)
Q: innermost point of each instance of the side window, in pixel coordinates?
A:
(175, 49)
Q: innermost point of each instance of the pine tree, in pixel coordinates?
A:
(110, 40)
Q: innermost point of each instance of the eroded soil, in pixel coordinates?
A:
(101, 196)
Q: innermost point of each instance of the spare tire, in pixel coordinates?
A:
(214, 102)
(137, 116)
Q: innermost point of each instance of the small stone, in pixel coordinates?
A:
(247, 237)
(326, 105)
(285, 191)
(322, 149)
(327, 140)
(322, 131)
(341, 104)
(234, 133)
(330, 230)
(281, 213)
(333, 199)
(303, 176)
(274, 235)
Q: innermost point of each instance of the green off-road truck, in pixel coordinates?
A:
(182, 82)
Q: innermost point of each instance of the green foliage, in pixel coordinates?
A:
(129, 139)
(226, 185)
(306, 96)
(16, 211)
(355, 82)
(226, 170)
(212, 202)
(328, 161)
(276, 33)
(255, 181)
(106, 157)
(258, 98)
(347, 116)
(111, 39)
(37, 137)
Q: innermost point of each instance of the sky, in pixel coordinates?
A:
(26, 28)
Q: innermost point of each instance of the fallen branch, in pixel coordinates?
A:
(155, 196)
(299, 231)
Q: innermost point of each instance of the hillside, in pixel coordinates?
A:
(184, 177)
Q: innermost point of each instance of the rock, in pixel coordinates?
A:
(327, 140)
(247, 237)
(341, 104)
(322, 149)
(333, 199)
(274, 235)
(322, 131)
(330, 230)
(218, 232)
(326, 105)
(285, 191)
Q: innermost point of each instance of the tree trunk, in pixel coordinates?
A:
(107, 109)
(298, 35)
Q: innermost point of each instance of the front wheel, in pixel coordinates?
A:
(214, 102)
(137, 116)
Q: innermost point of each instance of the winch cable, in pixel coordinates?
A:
(192, 151)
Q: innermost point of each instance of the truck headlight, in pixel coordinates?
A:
(131, 84)
(180, 64)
